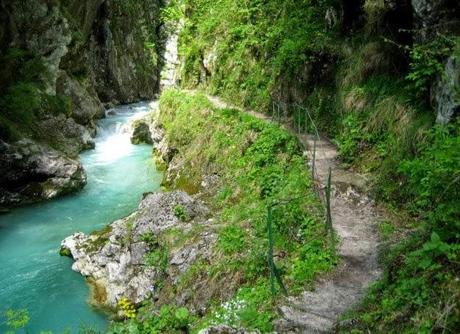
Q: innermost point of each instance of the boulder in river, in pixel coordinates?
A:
(141, 132)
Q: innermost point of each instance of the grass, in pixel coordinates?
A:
(250, 46)
(257, 163)
(375, 106)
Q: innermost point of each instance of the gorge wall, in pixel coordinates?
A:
(306, 48)
(62, 62)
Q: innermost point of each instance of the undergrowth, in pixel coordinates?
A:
(258, 164)
(248, 46)
(375, 104)
(23, 99)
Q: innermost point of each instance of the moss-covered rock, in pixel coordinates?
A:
(141, 133)
(65, 252)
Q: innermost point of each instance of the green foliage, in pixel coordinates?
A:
(150, 239)
(433, 177)
(172, 13)
(310, 262)
(18, 65)
(180, 213)
(16, 319)
(23, 100)
(232, 239)
(350, 138)
(84, 329)
(427, 61)
(377, 114)
(157, 258)
(169, 319)
(418, 293)
(252, 44)
(258, 163)
(250, 309)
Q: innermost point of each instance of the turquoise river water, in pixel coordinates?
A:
(32, 274)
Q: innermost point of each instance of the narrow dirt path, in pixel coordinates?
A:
(355, 220)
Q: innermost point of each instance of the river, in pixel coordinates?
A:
(32, 274)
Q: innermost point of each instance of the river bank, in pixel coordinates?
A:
(34, 276)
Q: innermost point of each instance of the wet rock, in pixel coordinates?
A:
(114, 259)
(86, 106)
(141, 133)
(30, 172)
(65, 134)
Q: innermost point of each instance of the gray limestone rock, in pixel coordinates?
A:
(445, 92)
(115, 259)
(30, 172)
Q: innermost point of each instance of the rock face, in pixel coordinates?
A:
(141, 132)
(127, 258)
(86, 105)
(86, 53)
(106, 47)
(446, 92)
(435, 16)
(126, 45)
(440, 17)
(30, 172)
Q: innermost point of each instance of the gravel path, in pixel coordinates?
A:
(355, 220)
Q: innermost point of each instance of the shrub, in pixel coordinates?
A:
(427, 62)
(180, 213)
(231, 239)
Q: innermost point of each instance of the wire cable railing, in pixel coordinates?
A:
(298, 119)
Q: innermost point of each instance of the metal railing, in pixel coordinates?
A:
(298, 119)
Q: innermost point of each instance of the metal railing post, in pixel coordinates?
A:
(274, 272)
(328, 207)
(313, 163)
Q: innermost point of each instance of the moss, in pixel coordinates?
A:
(101, 239)
(65, 252)
(160, 165)
(23, 100)
(98, 293)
